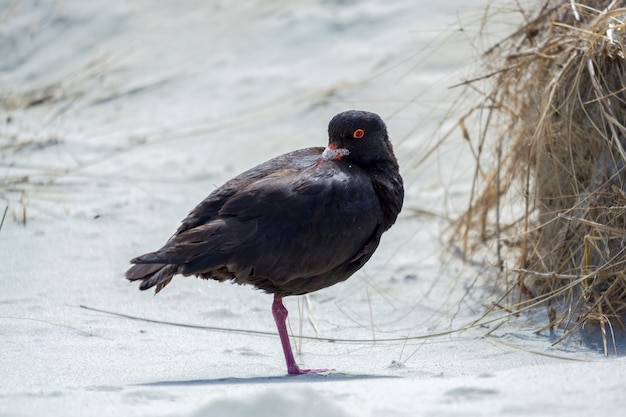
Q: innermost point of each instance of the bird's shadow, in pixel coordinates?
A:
(333, 376)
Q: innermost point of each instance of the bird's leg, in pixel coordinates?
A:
(280, 317)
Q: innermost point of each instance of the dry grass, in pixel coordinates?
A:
(550, 184)
(53, 99)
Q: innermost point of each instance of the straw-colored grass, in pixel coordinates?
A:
(57, 97)
(550, 186)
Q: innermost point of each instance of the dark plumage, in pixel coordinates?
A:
(295, 224)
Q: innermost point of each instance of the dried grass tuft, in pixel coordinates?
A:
(550, 184)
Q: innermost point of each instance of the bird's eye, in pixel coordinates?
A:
(358, 134)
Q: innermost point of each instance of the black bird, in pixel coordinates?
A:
(295, 224)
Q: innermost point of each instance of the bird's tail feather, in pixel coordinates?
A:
(151, 275)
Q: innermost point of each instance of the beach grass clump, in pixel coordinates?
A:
(550, 185)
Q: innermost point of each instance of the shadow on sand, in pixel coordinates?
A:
(266, 380)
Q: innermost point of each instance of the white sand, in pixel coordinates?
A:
(182, 96)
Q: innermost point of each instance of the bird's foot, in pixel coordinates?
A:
(295, 370)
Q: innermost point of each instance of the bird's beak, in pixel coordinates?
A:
(332, 153)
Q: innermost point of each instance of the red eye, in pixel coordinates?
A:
(358, 134)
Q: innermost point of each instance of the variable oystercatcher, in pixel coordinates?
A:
(295, 224)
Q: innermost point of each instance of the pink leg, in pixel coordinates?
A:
(280, 317)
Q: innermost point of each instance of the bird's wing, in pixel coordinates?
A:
(286, 225)
(207, 209)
